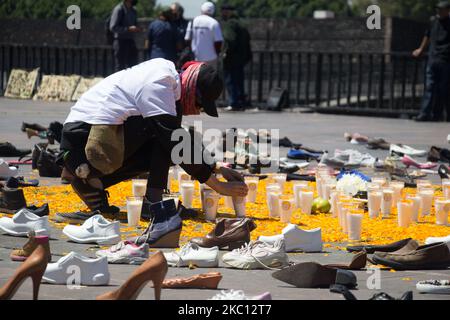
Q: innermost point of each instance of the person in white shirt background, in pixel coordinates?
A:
(204, 35)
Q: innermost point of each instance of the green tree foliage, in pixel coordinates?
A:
(411, 9)
(286, 8)
(56, 9)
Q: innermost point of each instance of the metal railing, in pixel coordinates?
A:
(364, 83)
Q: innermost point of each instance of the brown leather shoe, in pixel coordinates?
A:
(358, 262)
(428, 257)
(231, 233)
(11, 200)
(208, 280)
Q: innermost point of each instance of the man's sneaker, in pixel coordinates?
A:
(92, 272)
(41, 211)
(165, 228)
(240, 295)
(258, 255)
(23, 222)
(8, 150)
(78, 217)
(11, 200)
(192, 254)
(125, 252)
(95, 199)
(296, 239)
(94, 230)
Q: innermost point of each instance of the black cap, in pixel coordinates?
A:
(443, 5)
(210, 85)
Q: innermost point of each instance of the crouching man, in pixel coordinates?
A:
(122, 128)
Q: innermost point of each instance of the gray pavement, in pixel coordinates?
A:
(314, 130)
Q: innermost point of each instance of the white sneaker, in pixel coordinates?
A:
(94, 230)
(258, 255)
(75, 269)
(239, 295)
(193, 254)
(125, 252)
(296, 239)
(407, 150)
(431, 240)
(23, 222)
(434, 286)
(6, 171)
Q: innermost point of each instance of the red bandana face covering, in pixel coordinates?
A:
(189, 75)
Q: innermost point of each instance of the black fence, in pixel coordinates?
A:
(364, 83)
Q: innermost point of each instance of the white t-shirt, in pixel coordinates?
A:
(148, 89)
(204, 31)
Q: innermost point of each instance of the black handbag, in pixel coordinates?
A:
(45, 161)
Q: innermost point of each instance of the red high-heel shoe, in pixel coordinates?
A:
(408, 162)
(154, 269)
(34, 267)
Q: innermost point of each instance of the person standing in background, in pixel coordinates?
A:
(204, 35)
(236, 54)
(124, 26)
(162, 38)
(437, 86)
(179, 22)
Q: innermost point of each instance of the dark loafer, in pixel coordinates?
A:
(314, 275)
(383, 248)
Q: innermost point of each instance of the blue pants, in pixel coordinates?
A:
(234, 81)
(436, 95)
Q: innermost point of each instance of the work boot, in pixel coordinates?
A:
(8, 150)
(11, 200)
(165, 228)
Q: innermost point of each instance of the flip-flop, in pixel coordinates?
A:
(314, 275)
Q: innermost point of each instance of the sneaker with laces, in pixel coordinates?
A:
(258, 255)
(192, 254)
(125, 252)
